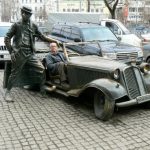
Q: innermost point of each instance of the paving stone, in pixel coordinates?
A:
(55, 123)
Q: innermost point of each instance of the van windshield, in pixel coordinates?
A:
(98, 34)
(3, 30)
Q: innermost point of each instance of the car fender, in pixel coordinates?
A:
(111, 88)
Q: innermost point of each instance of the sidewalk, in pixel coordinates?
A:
(56, 123)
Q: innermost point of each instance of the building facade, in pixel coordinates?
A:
(127, 10)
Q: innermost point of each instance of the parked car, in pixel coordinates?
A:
(106, 82)
(39, 45)
(143, 32)
(4, 27)
(109, 45)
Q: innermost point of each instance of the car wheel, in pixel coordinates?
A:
(103, 106)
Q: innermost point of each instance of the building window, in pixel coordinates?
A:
(40, 1)
(35, 1)
(97, 10)
(140, 9)
(92, 10)
(132, 9)
(64, 9)
(35, 9)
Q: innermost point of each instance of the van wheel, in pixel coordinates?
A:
(103, 106)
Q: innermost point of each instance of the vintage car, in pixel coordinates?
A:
(108, 83)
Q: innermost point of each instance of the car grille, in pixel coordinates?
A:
(3, 48)
(122, 56)
(134, 82)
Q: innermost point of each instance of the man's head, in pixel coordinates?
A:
(53, 48)
(26, 13)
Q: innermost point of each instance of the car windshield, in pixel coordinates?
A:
(98, 34)
(3, 30)
(69, 51)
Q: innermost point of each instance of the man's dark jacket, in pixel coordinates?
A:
(52, 61)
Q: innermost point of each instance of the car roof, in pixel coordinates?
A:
(5, 23)
(81, 25)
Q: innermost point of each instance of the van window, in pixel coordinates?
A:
(56, 30)
(75, 34)
(110, 26)
(113, 27)
(65, 32)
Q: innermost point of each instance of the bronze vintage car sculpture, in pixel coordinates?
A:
(107, 82)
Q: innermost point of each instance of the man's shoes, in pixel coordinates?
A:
(45, 89)
(50, 89)
(8, 97)
(31, 87)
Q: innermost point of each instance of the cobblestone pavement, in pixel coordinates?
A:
(56, 123)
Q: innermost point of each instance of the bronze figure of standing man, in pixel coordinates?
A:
(22, 49)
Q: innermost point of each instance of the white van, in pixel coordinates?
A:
(121, 32)
(4, 27)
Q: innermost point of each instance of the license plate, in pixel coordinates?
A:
(144, 98)
(7, 56)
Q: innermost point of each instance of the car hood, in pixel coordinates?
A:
(93, 61)
(115, 46)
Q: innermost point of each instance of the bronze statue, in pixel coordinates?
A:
(22, 50)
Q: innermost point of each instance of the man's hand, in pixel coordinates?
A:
(13, 58)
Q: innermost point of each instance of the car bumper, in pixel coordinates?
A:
(136, 101)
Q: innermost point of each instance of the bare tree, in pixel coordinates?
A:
(111, 5)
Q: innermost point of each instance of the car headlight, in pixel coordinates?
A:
(116, 74)
(110, 55)
(140, 53)
(145, 67)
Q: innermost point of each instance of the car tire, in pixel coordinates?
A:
(103, 106)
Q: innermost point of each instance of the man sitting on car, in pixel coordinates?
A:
(55, 62)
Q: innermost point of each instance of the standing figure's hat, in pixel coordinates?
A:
(26, 9)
